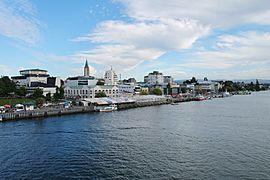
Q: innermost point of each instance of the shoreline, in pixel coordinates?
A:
(50, 112)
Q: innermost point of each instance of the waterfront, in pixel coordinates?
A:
(220, 138)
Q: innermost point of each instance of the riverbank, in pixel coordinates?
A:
(90, 108)
(47, 112)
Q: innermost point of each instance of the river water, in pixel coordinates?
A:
(217, 139)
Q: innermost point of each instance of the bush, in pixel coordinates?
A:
(100, 94)
(157, 91)
(40, 101)
(143, 93)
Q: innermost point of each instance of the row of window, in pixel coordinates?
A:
(90, 91)
(93, 96)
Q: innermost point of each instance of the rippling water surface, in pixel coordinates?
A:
(218, 139)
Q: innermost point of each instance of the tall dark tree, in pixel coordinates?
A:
(7, 86)
(59, 94)
(193, 80)
(38, 93)
(22, 91)
(48, 97)
(257, 86)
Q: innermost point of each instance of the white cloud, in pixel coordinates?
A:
(5, 70)
(119, 56)
(18, 21)
(213, 12)
(127, 45)
(243, 56)
(164, 34)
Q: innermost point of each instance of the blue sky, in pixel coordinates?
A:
(182, 38)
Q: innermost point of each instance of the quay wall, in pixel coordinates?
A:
(45, 113)
(142, 104)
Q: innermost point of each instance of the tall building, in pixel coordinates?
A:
(154, 78)
(110, 77)
(168, 79)
(86, 69)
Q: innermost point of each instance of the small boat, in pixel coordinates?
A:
(199, 98)
(109, 108)
(174, 103)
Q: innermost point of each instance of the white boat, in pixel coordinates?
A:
(200, 98)
(109, 108)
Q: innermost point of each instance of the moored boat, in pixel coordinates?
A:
(199, 98)
(109, 108)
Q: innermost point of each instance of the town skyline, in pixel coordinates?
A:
(177, 38)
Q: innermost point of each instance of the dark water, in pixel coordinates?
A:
(219, 139)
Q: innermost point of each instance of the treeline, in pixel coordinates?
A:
(231, 86)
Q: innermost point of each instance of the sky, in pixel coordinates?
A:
(182, 38)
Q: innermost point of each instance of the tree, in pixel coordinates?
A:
(183, 89)
(100, 94)
(100, 83)
(7, 86)
(40, 101)
(48, 97)
(59, 94)
(22, 91)
(38, 93)
(193, 80)
(157, 91)
(257, 86)
(143, 93)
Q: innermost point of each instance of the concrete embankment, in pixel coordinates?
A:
(46, 112)
(142, 104)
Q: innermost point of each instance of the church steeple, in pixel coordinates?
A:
(86, 69)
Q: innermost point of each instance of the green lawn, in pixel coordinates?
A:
(14, 101)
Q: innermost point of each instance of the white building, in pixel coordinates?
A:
(208, 86)
(29, 76)
(81, 80)
(85, 91)
(168, 80)
(154, 78)
(33, 79)
(110, 77)
(126, 88)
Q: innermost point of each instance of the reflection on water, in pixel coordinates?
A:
(221, 138)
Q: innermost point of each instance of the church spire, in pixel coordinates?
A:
(86, 64)
(86, 69)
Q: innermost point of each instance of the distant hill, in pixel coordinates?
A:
(261, 81)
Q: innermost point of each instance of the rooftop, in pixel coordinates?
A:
(33, 70)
